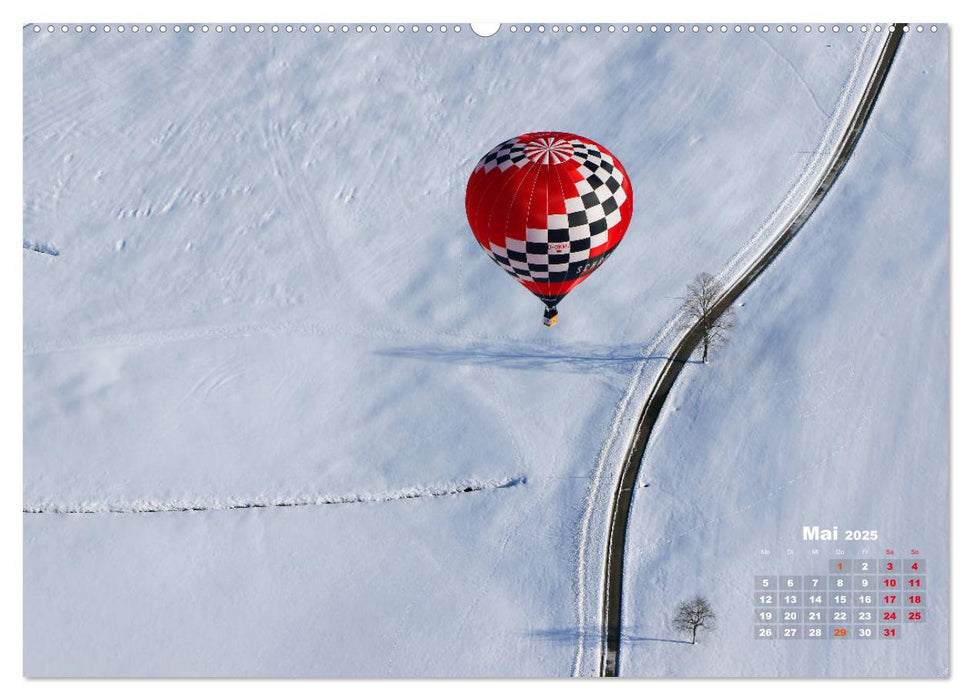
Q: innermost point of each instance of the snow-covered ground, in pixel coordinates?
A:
(266, 291)
(830, 407)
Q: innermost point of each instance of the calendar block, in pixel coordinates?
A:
(840, 583)
(816, 600)
(889, 566)
(914, 566)
(765, 616)
(814, 632)
(913, 615)
(840, 599)
(766, 599)
(864, 566)
(766, 583)
(766, 632)
(853, 599)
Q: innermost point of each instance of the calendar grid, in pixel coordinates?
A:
(856, 599)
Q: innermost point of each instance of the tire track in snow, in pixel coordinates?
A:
(799, 76)
(624, 489)
(198, 505)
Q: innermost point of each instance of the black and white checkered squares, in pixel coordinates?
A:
(504, 156)
(597, 208)
(580, 215)
(562, 251)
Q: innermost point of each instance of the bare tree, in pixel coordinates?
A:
(694, 615)
(699, 308)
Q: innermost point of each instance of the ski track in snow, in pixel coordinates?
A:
(194, 505)
(799, 76)
(625, 417)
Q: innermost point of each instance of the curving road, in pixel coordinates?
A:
(623, 492)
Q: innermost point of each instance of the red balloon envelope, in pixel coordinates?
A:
(549, 208)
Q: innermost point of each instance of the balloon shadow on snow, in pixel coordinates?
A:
(511, 357)
(592, 636)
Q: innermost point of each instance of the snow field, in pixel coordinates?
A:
(266, 287)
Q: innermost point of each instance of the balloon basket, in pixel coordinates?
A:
(550, 317)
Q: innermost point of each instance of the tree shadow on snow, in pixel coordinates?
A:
(592, 636)
(510, 356)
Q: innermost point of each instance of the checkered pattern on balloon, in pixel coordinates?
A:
(549, 208)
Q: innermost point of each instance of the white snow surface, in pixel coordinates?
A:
(266, 289)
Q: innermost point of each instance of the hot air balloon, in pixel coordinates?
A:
(549, 208)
